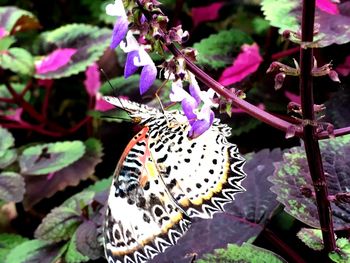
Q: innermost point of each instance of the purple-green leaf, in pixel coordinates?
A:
(86, 240)
(60, 224)
(294, 188)
(243, 219)
(246, 253)
(312, 238)
(333, 28)
(11, 187)
(50, 157)
(338, 110)
(14, 20)
(89, 41)
(39, 187)
(7, 140)
(17, 60)
(33, 251)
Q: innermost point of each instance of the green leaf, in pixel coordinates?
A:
(312, 238)
(260, 25)
(6, 141)
(11, 187)
(8, 242)
(6, 42)
(218, 50)
(294, 187)
(14, 19)
(90, 42)
(79, 200)
(17, 60)
(242, 254)
(51, 157)
(60, 224)
(72, 254)
(8, 158)
(278, 12)
(28, 251)
(343, 255)
(39, 187)
(101, 185)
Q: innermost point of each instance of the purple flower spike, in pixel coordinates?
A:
(200, 126)
(148, 76)
(130, 67)
(119, 31)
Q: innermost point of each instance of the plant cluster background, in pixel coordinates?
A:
(60, 141)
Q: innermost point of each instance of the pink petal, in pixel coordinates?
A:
(92, 82)
(328, 6)
(292, 97)
(55, 60)
(344, 69)
(3, 32)
(246, 63)
(205, 13)
(101, 104)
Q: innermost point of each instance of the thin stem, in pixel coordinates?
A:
(25, 105)
(285, 53)
(309, 133)
(336, 133)
(46, 100)
(30, 127)
(7, 100)
(282, 246)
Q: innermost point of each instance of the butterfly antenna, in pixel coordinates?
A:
(114, 91)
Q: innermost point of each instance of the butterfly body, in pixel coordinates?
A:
(163, 180)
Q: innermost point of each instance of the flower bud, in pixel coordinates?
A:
(279, 78)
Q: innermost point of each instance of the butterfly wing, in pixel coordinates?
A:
(202, 174)
(142, 219)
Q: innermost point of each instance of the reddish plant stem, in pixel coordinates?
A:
(30, 127)
(7, 100)
(46, 101)
(25, 105)
(26, 89)
(278, 242)
(285, 53)
(337, 132)
(309, 132)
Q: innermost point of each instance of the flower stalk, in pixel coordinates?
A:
(310, 137)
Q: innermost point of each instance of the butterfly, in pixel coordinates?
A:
(163, 180)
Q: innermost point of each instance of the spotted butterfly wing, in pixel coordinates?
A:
(164, 179)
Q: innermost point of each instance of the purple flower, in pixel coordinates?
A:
(121, 25)
(138, 57)
(201, 125)
(200, 119)
(119, 32)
